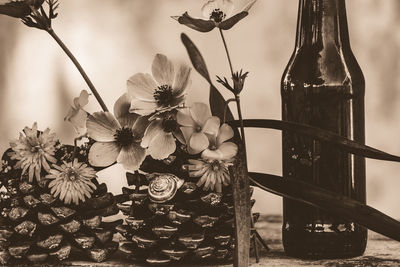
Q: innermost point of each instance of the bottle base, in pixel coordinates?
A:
(324, 245)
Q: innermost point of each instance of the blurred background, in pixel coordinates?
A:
(116, 39)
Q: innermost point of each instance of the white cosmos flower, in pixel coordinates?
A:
(163, 90)
(118, 137)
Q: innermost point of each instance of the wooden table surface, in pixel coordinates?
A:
(381, 251)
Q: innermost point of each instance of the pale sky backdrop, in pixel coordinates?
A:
(115, 39)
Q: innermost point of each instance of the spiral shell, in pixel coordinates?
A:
(163, 187)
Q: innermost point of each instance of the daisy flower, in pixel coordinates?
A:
(118, 137)
(159, 137)
(163, 90)
(77, 115)
(216, 13)
(72, 181)
(33, 150)
(197, 124)
(213, 173)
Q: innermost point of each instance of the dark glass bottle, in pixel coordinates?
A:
(323, 86)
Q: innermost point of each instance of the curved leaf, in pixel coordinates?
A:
(195, 57)
(322, 135)
(338, 204)
(217, 101)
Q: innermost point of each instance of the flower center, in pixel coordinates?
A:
(212, 147)
(163, 95)
(72, 174)
(124, 136)
(169, 125)
(215, 165)
(217, 15)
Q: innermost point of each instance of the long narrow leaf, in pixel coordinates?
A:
(195, 57)
(217, 101)
(322, 135)
(340, 205)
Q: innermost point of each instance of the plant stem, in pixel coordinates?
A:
(79, 67)
(239, 111)
(227, 51)
(240, 188)
(237, 96)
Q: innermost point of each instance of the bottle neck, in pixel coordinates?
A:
(322, 22)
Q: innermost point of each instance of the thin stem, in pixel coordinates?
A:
(226, 107)
(239, 111)
(79, 67)
(227, 51)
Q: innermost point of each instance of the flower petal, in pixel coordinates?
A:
(179, 136)
(163, 70)
(132, 156)
(200, 25)
(142, 86)
(154, 128)
(140, 126)
(229, 23)
(200, 113)
(101, 126)
(249, 5)
(103, 154)
(228, 150)
(198, 142)
(211, 126)
(18, 9)
(225, 133)
(187, 133)
(181, 79)
(128, 120)
(212, 154)
(184, 119)
(78, 121)
(82, 100)
(142, 107)
(122, 105)
(162, 145)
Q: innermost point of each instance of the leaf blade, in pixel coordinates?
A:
(338, 204)
(195, 57)
(347, 145)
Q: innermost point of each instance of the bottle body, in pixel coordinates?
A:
(323, 86)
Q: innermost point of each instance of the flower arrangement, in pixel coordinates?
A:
(188, 196)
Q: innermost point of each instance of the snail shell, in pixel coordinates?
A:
(163, 187)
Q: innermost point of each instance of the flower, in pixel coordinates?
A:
(213, 173)
(72, 181)
(118, 137)
(218, 148)
(215, 13)
(77, 116)
(197, 123)
(33, 151)
(165, 90)
(18, 8)
(159, 137)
